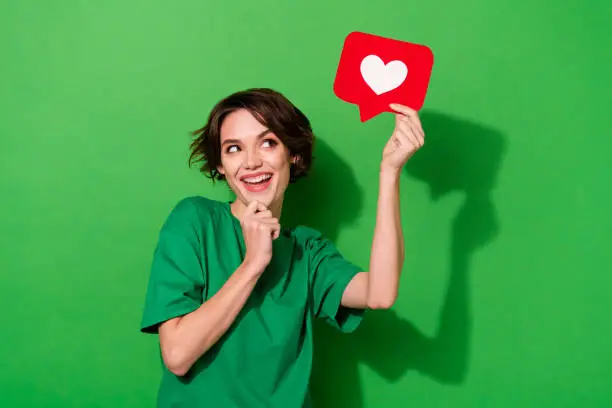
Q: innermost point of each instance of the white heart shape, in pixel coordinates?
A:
(383, 78)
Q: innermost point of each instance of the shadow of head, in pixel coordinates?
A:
(458, 155)
(462, 156)
(328, 199)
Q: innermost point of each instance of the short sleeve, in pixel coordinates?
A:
(177, 276)
(330, 273)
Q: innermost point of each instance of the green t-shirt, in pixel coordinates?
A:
(264, 359)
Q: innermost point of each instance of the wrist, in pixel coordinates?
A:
(252, 268)
(389, 175)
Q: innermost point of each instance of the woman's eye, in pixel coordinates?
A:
(270, 142)
(229, 149)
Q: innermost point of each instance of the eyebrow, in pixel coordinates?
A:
(259, 136)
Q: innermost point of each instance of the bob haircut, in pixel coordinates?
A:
(271, 109)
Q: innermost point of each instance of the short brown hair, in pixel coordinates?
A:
(271, 109)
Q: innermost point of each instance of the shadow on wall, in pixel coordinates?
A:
(457, 156)
(307, 202)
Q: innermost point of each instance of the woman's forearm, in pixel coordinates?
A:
(185, 339)
(387, 255)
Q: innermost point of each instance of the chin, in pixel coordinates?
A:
(266, 197)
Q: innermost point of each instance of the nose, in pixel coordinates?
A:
(252, 159)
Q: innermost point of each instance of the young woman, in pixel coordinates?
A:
(232, 293)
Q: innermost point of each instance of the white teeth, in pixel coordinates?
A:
(258, 179)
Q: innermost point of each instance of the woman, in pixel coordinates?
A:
(231, 293)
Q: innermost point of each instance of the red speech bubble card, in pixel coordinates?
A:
(374, 72)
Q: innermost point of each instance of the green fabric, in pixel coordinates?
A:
(264, 360)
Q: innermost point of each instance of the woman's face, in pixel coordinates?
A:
(255, 163)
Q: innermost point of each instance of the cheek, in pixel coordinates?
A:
(230, 166)
(280, 162)
(283, 167)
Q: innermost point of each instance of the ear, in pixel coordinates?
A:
(295, 159)
(221, 170)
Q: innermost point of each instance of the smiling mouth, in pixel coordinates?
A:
(257, 183)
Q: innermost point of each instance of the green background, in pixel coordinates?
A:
(505, 297)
